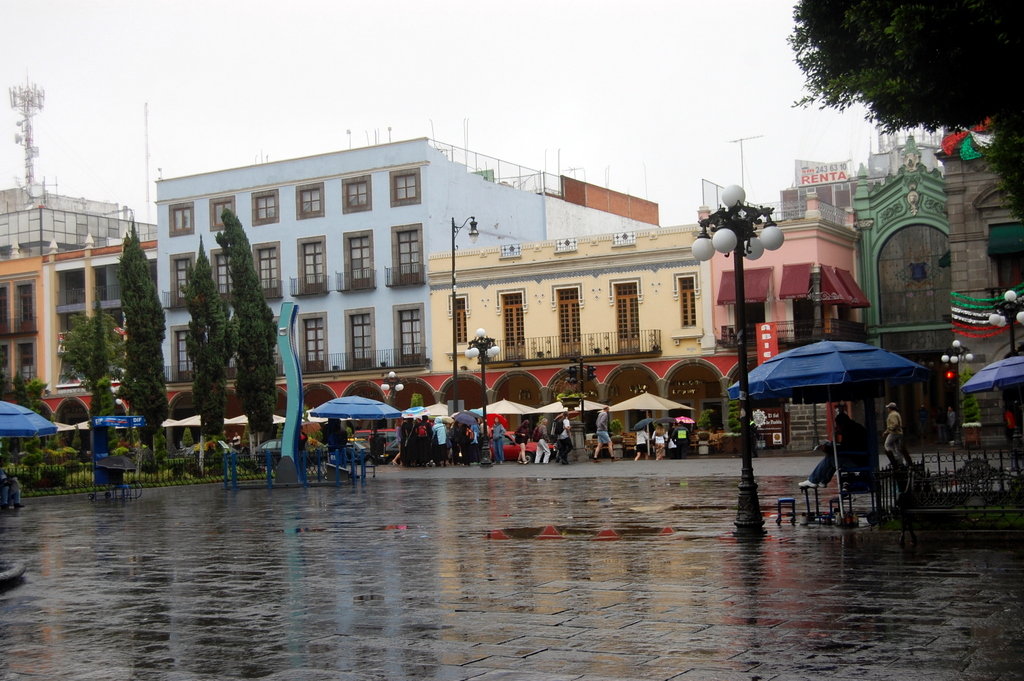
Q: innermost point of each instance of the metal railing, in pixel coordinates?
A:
(17, 325)
(363, 279)
(609, 344)
(108, 293)
(502, 172)
(311, 285)
(802, 332)
(512, 251)
(271, 288)
(404, 275)
(173, 300)
(71, 296)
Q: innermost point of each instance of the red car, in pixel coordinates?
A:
(511, 449)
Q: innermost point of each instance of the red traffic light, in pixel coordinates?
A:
(950, 375)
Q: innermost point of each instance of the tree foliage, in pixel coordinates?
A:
(256, 371)
(144, 385)
(208, 344)
(938, 65)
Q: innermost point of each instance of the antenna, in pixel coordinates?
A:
(742, 165)
(28, 101)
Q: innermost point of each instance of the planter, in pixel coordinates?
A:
(732, 445)
(972, 436)
(570, 403)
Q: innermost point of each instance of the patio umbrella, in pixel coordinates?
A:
(414, 412)
(830, 370)
(491, 418)
(63, 427)
(648, 402)
(556, 407)
(508, 407)
(1006, 373)
(354, 407)
(18, 421)
(438, 409)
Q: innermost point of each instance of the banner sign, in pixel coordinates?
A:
(767, 341)
(810, 173)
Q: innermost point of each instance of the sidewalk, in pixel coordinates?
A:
(405, 578)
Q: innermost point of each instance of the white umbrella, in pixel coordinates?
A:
(63, 427)
(556, 407)
(438, 409)
(191, 421)
(648, 402)
(508, 407)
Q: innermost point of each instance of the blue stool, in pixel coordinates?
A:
(786, 502)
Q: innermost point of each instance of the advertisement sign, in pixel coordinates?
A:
(810, 173)
(767, 341)
(771, 425)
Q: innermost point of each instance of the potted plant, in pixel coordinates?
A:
(971, 414)
(732, 439)
(703, 426)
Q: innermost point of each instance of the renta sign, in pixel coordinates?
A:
(810, 173)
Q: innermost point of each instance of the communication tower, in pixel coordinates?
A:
(28, 101)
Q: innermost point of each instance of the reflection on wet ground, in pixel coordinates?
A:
(411, 578)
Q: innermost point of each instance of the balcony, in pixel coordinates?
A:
(802, 332)
(404, 275)
(311, 285)
(17, 325)
(71, 296)
(356, 280)
(111, 295)
(173, 300)
(545, 349)
(271, 288)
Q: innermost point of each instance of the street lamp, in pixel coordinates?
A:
(733, 229)
(391, 385)
(954, 358)
(486, 348)
(473, 234)
(1012, 308)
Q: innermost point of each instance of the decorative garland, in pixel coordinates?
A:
(968, 318)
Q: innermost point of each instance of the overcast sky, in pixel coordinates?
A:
(643, 96)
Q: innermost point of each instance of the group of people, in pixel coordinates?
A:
(10, 491)
(663, 443)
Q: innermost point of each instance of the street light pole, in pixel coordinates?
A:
(485, 348)
(391, 385)
(955, 356)
(473, 234)
(1006, 312)
(734, 230)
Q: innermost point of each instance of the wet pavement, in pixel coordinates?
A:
(408, 577)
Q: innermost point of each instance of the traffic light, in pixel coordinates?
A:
(950, 376)
(591, 372)
(573, 373)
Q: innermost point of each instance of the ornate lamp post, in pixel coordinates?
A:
(473, 234)
(1012, 308)
(954, 358)
(391, 385)
(486, 348)
(733, 229)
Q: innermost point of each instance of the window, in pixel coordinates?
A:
(687, 301)
(217, 208)
(26, 306)
(181, 219)
(512, 317)
(27, 360)
(314, 343)
(410, 337)
(460, 320)
(309, 201)
(312, 268)
(264, 207)
(183, 365)
(407, 256)
(405, 187)
(627, 316)
(179, 280)
(269, 270)
(359, 261)
(5, 310)
(569, 322)
(356, 195)
(222, 273)
(360, 324)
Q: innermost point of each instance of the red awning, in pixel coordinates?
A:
(796, 282)
(857, 297)
(755, 286)
(832, 290)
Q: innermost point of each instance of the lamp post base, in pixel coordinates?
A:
(749, 521)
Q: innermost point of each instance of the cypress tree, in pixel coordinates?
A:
(144, 383)
(256, 372)
(93, 350)
(208, 344)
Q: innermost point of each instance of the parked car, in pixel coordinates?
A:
(511, 449)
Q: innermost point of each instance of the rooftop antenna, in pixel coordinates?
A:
(28, 101)
(743, 171)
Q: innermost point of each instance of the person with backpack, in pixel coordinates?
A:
(421, 442)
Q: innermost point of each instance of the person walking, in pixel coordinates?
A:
(660, 442)
(604, 438)
(540, 436)
(523, 433)
(894, 436)
(564, 441)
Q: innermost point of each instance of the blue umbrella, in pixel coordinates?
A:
(354, 407)
(414, 412)
(830, 370)
(17, 421)
(1006, 373)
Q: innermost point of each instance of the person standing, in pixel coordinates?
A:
(682, 439)
(660, 442)
(438, 444)
(474, 444)
(1011, 424)
(604, 439)
(951, 424)
(540, 436)
(564, 439)
(498, 441)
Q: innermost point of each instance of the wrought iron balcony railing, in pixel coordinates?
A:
(311, 285)
(404, 275)
(604, 344)
(17, 325)
(363, 279)
(802, 332)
